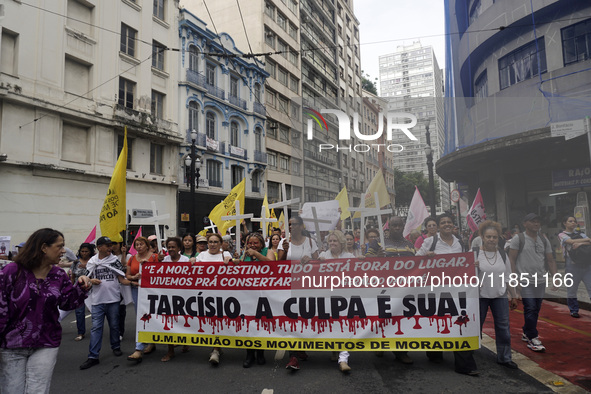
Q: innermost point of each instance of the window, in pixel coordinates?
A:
(234, 134)
(295, 166)
(234, 87)
(256, 181)
(283, 105)
(193, 116)
(126, 93)
(284, 134)
(576, 42)
(210, 125)
(282, 21)
(295, 111)
(159, 9)
(272, 130)
(214, 173)
(193, 58)
(75, 143)
(237, 175)
(129, 146)
(9, 53)
(76, 77)
(210, 74)
(157, 105)
(282, 47)
(270, 68)
(128, 40)
(271, 98)
(522, 64)
(273, 191)
(272, 159)
(79, 17)
(481, 87)
(282, 76)
(293, 57)
(284, 163)
(475, 11)
(293, 6)
(293, 31)
(270, 10)
(258, 139)
(156, 158)
(270, 38)
(158, 55)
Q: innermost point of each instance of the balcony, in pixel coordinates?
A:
(200, 80)
(259, 109)
(234, 151)
(237, 101)
(260, 156)
(215, 183)
(200, 141)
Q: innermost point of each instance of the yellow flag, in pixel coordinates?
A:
(228, 208)
(266, 205)
(343, 199)
(281, 221)
(112, 217)
(377, 185)
(203, 232)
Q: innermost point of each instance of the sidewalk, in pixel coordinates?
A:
(567, 341)
(560, 294)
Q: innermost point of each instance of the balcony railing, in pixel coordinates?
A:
(234, 151)
(200, 141)
(256, 189)
(260, 156)
(200, 80)
(259, 108)
(215, 183)
(237, 101)
(215, 91)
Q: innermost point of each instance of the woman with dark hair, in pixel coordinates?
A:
(189, 247)
(85, 252)
(142, 245)
(351, 246)
(32, 288)
(570, 239)
(274, 244)
(495, 292)
(430, 225)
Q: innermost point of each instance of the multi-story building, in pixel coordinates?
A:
(273, 28)
(220, 97)
(411, 81)
(313, 59)
(515, 71)
(68, 87)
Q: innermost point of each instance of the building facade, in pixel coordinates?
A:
(507, 87)
(411, 81)
(68, 87)
(219, 98)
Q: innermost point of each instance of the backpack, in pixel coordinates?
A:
(501, 251)
(522, 244)
(580, 255)
(436, 238)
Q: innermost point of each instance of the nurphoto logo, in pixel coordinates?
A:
(392, 126)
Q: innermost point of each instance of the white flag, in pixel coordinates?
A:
(417, 213)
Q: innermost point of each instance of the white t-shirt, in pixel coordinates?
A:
(109, 290)
(328, 255)
(307, 248)
(206, 257)
(494, 274)
(183, 259)
(441, 247)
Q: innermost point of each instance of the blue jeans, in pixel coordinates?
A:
(111, 311)
(580, 273)
(532, 297)
(27, 370)
(81, 319)
(500, 312)
(134, 294)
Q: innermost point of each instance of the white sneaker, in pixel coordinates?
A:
(524, 338)
(214, 357)
(536, 345)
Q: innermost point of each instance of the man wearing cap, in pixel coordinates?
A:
(106, 272)
(529, 254)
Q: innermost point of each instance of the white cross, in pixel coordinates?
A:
(155, 220)
(211, 226)
(264, 220)
(238, 218)
(284, 204)
(317, 222)
(371, 212)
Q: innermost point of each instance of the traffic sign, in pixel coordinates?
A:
(455, 195)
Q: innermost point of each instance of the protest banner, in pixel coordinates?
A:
(401, 303)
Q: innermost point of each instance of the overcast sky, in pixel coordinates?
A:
(397, 22)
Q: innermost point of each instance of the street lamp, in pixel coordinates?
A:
(429, 153)
(192, 166)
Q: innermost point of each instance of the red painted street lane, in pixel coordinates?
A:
(567, 341)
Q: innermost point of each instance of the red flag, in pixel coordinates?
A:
(91, 237)
(132, 250)
(477, 214)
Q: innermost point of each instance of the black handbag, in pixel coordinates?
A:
(582, 254)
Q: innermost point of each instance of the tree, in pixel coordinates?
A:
(367, 84)
(404, 184)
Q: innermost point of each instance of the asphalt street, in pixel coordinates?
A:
(190, 372)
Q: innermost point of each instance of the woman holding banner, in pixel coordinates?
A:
(494, 266)
(214, 253)
(255, 251)
(142, 245)
(337, 250)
